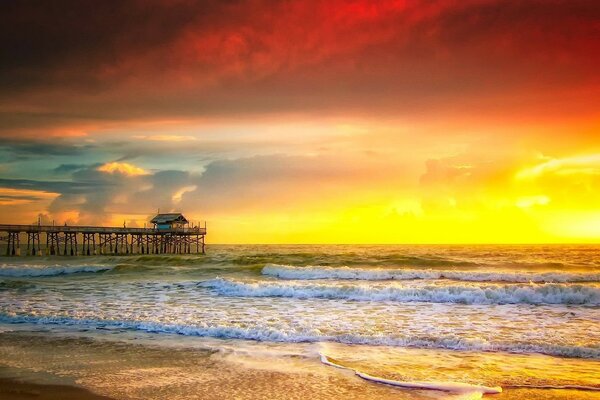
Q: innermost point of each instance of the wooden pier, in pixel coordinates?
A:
(163, 238)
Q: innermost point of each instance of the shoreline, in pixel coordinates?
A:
(78, 365)
(17, 389)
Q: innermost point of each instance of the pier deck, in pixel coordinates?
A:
(91, 240)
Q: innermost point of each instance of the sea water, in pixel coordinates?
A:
(311, 321)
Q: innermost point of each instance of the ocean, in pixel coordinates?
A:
(310, 321)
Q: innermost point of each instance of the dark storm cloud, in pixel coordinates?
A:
(119, 60)
(28, 148)
(63, 187)
(69, 168)
(20, 197)
(44, 38)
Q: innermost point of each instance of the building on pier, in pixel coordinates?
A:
(170, 234)
(169, 221)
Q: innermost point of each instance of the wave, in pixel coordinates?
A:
(494, 294)
(269, 334)
(130, 268)
(352, 258)
(376, 274)
(12, 284)
(472, 391)
(41, 271)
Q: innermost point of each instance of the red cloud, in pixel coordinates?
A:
(189, 58)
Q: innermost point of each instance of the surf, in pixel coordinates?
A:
(462, 294)
(375, 274)
(266, 333)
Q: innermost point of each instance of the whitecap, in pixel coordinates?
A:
(464, 294)
(270, 334)
(376, 274)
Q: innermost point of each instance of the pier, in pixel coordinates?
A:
(171, 234)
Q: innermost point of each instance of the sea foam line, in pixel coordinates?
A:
(375, 274)
(473, 391)
(556, 387)
(269, 334)
(40, 271)
(493, 294)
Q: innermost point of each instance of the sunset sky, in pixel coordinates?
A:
(306, 121)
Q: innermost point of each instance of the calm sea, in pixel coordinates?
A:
(310, 321)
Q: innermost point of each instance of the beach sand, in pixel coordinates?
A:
(14, 389)
(142, 366)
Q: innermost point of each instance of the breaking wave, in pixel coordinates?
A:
(375, 274)
(494, 294)
(40, 271)
(308, 334)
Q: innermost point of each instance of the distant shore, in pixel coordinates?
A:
(15, 389)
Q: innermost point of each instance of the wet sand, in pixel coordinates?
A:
(14, 389)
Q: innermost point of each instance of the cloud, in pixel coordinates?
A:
(286, 182)
(199, 59)
(23, 149)
(260, 183)
(63, 187)
(475, 183)
(531, 201)
(68, 168)
(179, 194)
(10, 196)
(124, 191)
(121, 168)
(588, 164)
(166, 138)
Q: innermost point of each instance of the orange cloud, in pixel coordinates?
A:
(167, 138)
(177, 196)
(9, 196)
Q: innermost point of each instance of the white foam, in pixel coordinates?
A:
(474, 391)
(270, 334)
(44, 270)
(376, 274)
(492, 294)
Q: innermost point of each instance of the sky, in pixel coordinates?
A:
(306, 121)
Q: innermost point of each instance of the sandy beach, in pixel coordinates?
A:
(88, 365)
(14, 389)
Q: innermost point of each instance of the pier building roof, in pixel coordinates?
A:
(169, 218)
